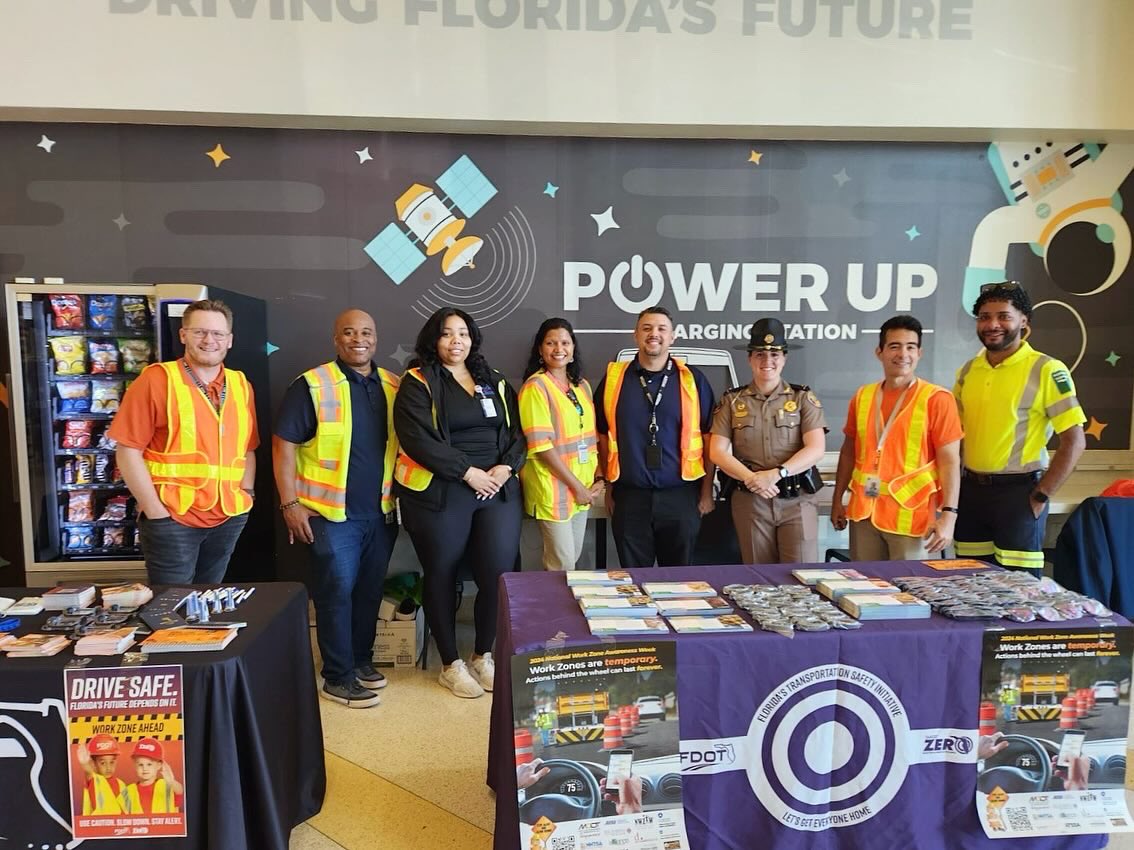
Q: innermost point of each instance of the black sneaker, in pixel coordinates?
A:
(352, 695)
(370, 678)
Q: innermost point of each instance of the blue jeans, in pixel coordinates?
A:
(350, 560)
(178, 554)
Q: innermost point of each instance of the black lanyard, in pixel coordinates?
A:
(574, 399)
(205, 390)
(654, 401)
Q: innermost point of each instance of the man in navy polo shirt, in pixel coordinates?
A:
(333, 452)
(651, 415)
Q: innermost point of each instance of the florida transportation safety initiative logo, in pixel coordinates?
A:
(829, 747)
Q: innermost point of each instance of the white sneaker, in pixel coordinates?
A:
(457, 679)
(484, 669)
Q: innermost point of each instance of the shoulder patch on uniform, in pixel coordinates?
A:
(1062, 379)
(811, 397)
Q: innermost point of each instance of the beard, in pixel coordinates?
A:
(1006, 341)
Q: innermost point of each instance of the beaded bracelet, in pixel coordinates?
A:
(290, 504)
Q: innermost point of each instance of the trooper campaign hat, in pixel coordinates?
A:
(767, 335)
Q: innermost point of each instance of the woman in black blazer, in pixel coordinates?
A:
(460, 447)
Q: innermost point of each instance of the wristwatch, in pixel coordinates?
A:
(1039, 495)
(947, 509)
(784, 472)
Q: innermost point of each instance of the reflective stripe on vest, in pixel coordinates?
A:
(323, 461)
(558, 503)
(407, 471)
(106, 800)
(907, 471)
(184, 474)
(692, 445)
(163, 800)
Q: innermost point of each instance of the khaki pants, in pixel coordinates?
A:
(776, 531)
(563, 541)
(868, 543)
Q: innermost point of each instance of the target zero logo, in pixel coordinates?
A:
(829, 747)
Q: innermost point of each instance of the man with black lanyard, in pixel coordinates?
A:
(186, 433)
(651, 415)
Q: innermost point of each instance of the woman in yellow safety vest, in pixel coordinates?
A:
(557, 412)
(459, 447)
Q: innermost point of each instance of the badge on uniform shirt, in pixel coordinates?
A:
(790, 406)
(741, 409)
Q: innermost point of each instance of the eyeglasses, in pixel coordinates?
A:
(201, 333)
(1003, 286)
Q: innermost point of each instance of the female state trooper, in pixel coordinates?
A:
(460, 446)
(767, 436)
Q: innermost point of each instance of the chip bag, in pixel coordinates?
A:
(70, 355)
(105, 396)
(102, 309)
(135, 312)
(104, 357)
(68, 310)
(80, 506)
(74, 396)
(136, 354)
(77, 434)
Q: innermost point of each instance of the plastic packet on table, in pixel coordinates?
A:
(102, 309)
(136, 354)
(1020, 614)
(84, 469)
(104, 357)
(135, 312)
(68, 310)
(1095, 608)
(1047, 612)
(79, 538)
(115, 510)
(105, 396)
(113, 538)
(80, 506)
(77, 434)
(780, 627)
(70, 355)
(74, 396)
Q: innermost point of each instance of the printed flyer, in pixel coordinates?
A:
(1055, 704)
(598, 762)
(127, 753)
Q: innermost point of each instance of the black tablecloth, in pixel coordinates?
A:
(253, 737)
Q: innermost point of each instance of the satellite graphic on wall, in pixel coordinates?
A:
(428, 224)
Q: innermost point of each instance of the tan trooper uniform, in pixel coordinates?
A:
(765, 432)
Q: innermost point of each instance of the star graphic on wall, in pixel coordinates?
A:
(121, 221)
(402, 354)
(755, 157)
(913, 233)
(271, 349)
(1113, 358)
(46, 143)
(605, 220)
(1096, 428)
(217, 155)
(842, 178)
(363, 155)
(550, 189)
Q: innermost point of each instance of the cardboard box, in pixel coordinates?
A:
(397, 643)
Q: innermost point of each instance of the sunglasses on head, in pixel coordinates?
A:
(1003, 286)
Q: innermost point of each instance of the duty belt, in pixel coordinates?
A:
(1004, 478)
(790, 487)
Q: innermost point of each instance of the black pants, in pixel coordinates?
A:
(656, 525)
(483, 537)
(995, 523)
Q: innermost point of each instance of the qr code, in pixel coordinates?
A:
(1018, 820)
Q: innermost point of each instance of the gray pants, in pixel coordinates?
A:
(179, 554)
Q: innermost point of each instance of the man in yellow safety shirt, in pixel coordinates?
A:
(1012, 398)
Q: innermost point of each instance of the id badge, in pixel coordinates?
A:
(872, 487)
(488, 407)
(653, 457)
(584, 455)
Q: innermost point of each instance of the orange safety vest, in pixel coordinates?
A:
(407, 471)
(203, 461)
(164, 800)
(907, 469)
(322, 462)
(692, 442)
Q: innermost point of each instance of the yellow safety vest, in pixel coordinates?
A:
(204, 458)
(906, 469)
(107, 801)
(407, 471)
(692, 443)
(553, 424)
(163, 801)
(322, 462)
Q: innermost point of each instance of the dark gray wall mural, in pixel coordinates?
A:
(831, 237)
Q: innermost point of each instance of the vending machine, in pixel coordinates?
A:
(72, 351)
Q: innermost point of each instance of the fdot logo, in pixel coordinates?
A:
(962, 744)
(693, 760)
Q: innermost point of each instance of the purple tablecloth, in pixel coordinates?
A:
(931, 666)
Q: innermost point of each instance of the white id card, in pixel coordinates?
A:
(489, 407)
(583, 453)
(872, 487)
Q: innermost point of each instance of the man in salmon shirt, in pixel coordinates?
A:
(186, 433)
